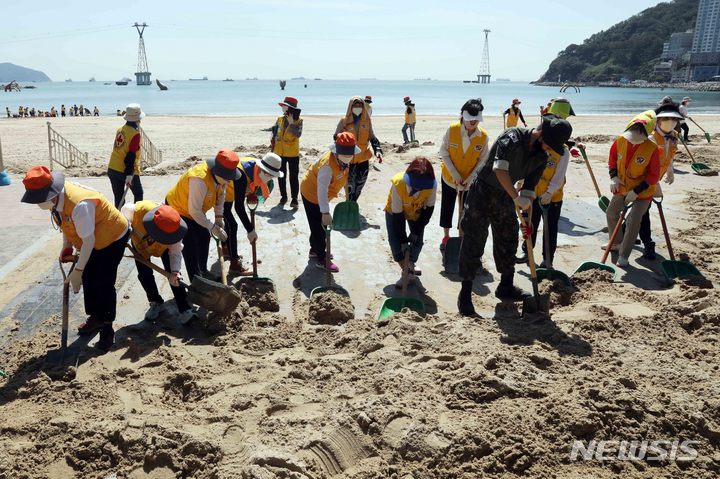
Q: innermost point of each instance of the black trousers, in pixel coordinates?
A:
(293, 164)
(645, 229)
(553, 216)
(117, 181)
(196, 247)
(686, 131)
(357, 177)
(99, 278)
(317, 232)
(447, 204)
(231, 228)
(147, 279)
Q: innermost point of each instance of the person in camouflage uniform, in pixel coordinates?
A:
(517, 154)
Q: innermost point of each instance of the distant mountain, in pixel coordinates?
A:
(628, 49)
(10, 72)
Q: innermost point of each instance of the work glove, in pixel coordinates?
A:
(219, 221)
(546, 198)
(669, 176)
(66, 255)
(574, 152)
(658, 191)
(74, 279)
(175, 278)
(128, 181)
(615, 185)
(252, 236)
(379, 156)
(526, 229)
(218, 233)
(326, 219)
(522, 202)
(519, 185)
(631, 196)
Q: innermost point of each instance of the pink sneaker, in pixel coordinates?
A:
(333, 267)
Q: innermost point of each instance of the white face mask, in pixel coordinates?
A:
(634, 137)
(46, 205)
(284, 109)
(346, 159)
(667, 125)
(357, 111)
(265, 177)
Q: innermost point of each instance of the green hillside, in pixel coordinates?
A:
(628, 49)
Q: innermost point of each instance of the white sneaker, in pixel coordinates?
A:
(154, 311)
(188, 315)
(622, 261)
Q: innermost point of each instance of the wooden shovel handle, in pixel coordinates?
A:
(590, 170)
(615, 233)
(665, 229)
(529, 246)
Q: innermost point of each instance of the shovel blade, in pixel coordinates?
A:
(451, 256)
(552, 275)
(703, 169)
(213, 296)
(323, 289)
(395, 305)
(707, 136)
(677, 269)
(346, 216)
(603, 203)
(590, 265)
(536, 305)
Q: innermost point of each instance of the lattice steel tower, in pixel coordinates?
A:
(142, 75)
(484, 76)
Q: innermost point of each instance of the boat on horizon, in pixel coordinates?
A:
(69, 80)
(198, 79)
(92, 79)
(228, 79)
(504, 80)
(121, 82)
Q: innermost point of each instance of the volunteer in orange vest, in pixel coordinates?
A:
(286, 144)
(513, 114)
(97, 231)
(463, 151)
(124, 167)
(256, 179)
(410, 119)
(199, 190)
(665, 136)
(411, 200)
(357, 121)
(157, 231)
(634, 165)
(322, 182)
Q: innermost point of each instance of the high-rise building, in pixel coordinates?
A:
(705, 57)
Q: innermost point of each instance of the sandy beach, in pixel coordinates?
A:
(442, 396)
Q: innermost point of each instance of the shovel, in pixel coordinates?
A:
(671, 268)
(346, 216)
(590, 265)
(258, 282)
(548, 272)
(603, 201)
(328, 274)
(210, 295)
(701, 169)
(451, 255)
(395, 305)
(538, 303)
(707, 135)
(65, 305)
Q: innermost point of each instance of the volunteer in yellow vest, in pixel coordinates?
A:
(96, 230)
(634, 165)
(286, 144)
(410, 119)
(256, 179)
(157, 231)
(513, 114)
(357, 121)
(322, 182)
(668, 117)
(463, 151)
(124, 167)
(368, 104)
(411, 200)
(199, 190)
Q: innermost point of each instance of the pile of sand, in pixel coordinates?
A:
(330, 307)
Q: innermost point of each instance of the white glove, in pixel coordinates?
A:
(175, 278)
(546, 198)
(252, 236)
(522, 202)
(74, 279)
(631, 196)
(326, 219)
(519, 185)
(379, 156)
(669, 176)
(219, 221)
(128, 180)
(615, 184)
(219, 233)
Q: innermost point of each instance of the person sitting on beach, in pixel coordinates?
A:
(357, 121)
(255, 180)
(411, 200)
(634, 165)
(124, 167)
(286, 144)
(410, 119)
(513, 114)
(322, 182)
(463, 151)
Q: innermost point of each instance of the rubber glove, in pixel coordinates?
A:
(219, 233)
(326, 219)
(65, 254)
(526, 229)
(252, 236)
(219, 221)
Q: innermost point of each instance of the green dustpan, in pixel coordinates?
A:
(346, 216)
(702, 169)
(590, 265)
(395, 305)
(552, 275)
(328, 274)
(676, 269)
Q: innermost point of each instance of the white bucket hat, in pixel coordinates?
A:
(133, 112)
(271, 164)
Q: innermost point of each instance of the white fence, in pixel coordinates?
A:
(63, 152)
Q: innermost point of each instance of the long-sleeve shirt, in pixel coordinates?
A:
(324, 178)
(295, 128)
(198, 190)
(374, 142)
(445, 155)
(240, 186)
(174, 250)
(683, 112)
(511, 152)
(558, 178)
(519, 114)
(652, 173)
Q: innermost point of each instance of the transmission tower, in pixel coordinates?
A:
(142, 75)
(484, 76)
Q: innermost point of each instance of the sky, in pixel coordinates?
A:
(275, 39)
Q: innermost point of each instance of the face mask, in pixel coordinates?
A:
(345, 159)
(357, 111)
(634, 137)
(284, 109)
(667, 125)
(265, 177)
(46, 205)
(470, 125)
(221, 181)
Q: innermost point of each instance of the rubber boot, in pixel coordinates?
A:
(507, 291)
(649, 252)
(464, 303)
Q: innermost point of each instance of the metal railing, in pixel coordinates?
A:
(150, 155)
(63, 152)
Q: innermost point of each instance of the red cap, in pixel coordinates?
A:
(37, 178)
(345, 139)
(289, 102)
(166, 219)
(406, 99)
(516, 101)
(227, 158)
(368, 98)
